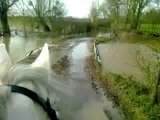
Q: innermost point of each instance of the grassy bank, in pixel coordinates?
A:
(150, 28)
(133, 98)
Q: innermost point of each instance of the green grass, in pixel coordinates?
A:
(150, 28)
(134, 97)
(103, 39)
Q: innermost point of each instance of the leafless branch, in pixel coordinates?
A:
(12, 3)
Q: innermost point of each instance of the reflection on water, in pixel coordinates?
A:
(19, 46)
(83, 103)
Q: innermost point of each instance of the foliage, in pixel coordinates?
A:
(150, 28)
(102, 40)
(149, 64)
(94, 12)
(134, 97)
(150, 21)
(130, 13)
(66, 26)
(151, 16)
(43, 9)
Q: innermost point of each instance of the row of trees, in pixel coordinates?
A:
(45, 11)
(151, 17)
(48, 15)
(128, 12)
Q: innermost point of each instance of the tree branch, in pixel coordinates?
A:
(12, 3)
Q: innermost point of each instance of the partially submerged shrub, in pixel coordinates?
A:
(149, 64)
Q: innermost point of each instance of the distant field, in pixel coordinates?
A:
(17, 23)
(150, 28)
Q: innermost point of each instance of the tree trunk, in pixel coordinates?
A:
(155, 98)
(126, 21)
(137, 20)
(4, 18)
(137, 16)
(4, 22)
(46, 28)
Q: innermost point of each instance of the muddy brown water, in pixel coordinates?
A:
(84, 103)
(80, 101)
(19, 46)
(120, 58)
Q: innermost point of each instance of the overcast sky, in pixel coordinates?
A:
(78, 8)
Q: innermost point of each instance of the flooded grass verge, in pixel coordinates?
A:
(136, 37)
(132, 97)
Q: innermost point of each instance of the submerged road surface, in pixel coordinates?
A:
(75, 99)
(81, 102)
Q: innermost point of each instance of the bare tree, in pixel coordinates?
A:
(94, 14)
(137, 9)
(45, 9)
(114, 11)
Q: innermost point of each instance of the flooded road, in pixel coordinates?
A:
(75, 99)
(88, 108)
(84, 103)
